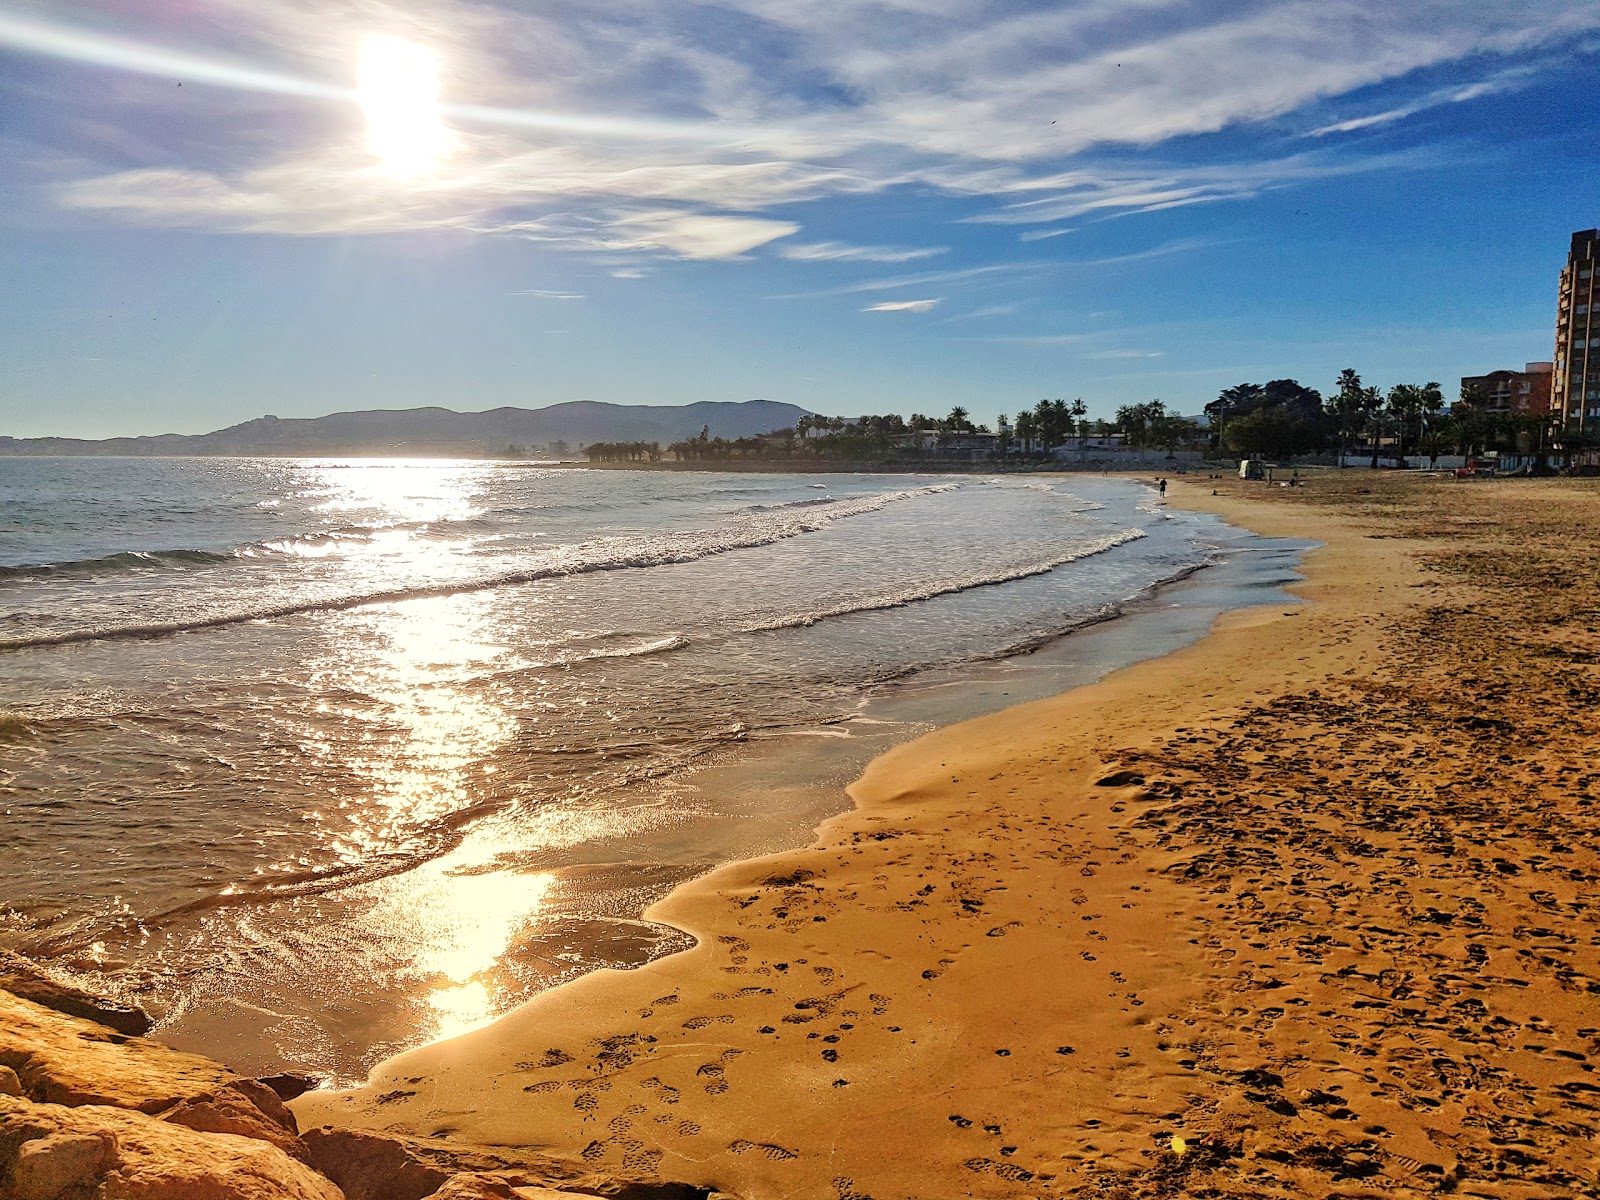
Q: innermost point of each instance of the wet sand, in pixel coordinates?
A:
(1299, 910)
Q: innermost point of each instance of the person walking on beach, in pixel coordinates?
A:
(1162, 484)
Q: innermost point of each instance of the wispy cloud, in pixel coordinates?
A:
(987, 311)
(546, 294)
(890, 306)
(1502, 81)
(1127, 354)
(841, 252)
(922, 279)
(777, 103)
(1039, 235)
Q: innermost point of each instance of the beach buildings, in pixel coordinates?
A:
(1524, 393)
(1576, 378)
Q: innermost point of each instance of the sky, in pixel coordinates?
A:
(216, 209)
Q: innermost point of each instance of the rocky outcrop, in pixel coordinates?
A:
(52, 1152)
(91, 1113)
(21, 978)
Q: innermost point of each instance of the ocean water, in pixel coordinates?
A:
(320, 759)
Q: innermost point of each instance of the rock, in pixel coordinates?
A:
(49, 1165)
(230, 1110)
(10, 1085)
(290, 1086)
(143, 1158)
(68, 1060)
(373, 1166)
(22, 978)
(268, 1101)
(476, 1186)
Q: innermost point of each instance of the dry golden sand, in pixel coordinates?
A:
(1311, 897)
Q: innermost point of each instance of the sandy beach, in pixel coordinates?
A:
(1300, 910)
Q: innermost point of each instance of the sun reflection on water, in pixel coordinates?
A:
(417, 680)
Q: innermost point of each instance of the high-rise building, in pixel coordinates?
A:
(1576, 391)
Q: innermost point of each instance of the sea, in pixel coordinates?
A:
(320, 760)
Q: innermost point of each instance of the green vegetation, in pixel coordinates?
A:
(1280, 420)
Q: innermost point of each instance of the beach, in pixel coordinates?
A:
(1297, 910)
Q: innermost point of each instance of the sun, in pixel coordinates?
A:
(398, 89)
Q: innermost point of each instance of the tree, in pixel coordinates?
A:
(1298, 409)
(1273, 431)
(1408, 403)
(1026, 430)
(1348, 407)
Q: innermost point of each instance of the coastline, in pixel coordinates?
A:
(1162, 931)
(1301, 909)
(831, 984)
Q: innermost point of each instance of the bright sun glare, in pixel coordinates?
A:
(398, 86)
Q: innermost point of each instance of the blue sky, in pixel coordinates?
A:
(854, 206)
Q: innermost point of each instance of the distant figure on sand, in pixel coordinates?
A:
(1162, 484)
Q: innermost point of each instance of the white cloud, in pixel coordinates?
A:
(546, 294)
(694, 235)
(840, 252)
(1501, 82)
(902, 306)
(1127, 354)
(640, 125)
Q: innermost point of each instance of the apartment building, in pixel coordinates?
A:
(1524, 393)
(1575, 393)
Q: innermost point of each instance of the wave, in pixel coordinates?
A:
(114, 564)
(948, 587)
(809, 502)
(603, 554)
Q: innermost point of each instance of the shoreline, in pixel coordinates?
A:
(1250, 917)
(1299, 910)
(765, 793)
(666, 1034)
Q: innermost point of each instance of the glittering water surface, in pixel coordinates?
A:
(359, 753)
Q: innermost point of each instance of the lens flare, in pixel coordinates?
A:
(398, 87)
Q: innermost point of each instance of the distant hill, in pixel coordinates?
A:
(441, 431)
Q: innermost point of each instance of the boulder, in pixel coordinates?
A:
(10, 1085)
(22, 978)
(68, 1060)
(477, 1186)
(230, 1110)
(47, 1166)
(373, 1166)
(290, 1086)
(118, 1154)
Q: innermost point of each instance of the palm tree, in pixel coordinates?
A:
(1026, 430)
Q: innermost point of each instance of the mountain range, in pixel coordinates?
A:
(441, 431)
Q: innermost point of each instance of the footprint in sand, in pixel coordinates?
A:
(766, 1149)
(1009, 1171)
